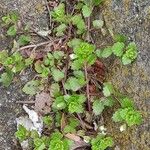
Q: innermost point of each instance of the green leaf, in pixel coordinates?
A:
(34, 134)
(99, 53)
(75, 107)
(117, 48)
(74, 42)
(57, 75)
(73, 122)
(126, 60)
(116, 116)
(101, 143)
(84, 50)
(39, 144)
(79, 23)
(32, 87)
(75, 98)
(57, 142)
(38, 66)
(59, 103)
(97, 2)
(71, 127)
(73, 84)
(47, 120)
(79, 74)
(58, 55)
(106, 52)
(6, 19)
(12, 31)
(120, 38)
(10, 18)
(98, 107)
(98, 24)
(58, 14)
(109, 102)
(56, 135)
(86, 11)
(108, 89)
(133, 117)
(19, 66)
(22, 134)
(28, 61)
(91, 59)
(76, 64)
(45, 71)
(60, 30)
(128, 115)
(127, 102)
(24, 40)
(14, 17)
(131, 54)
(75, 103)
(6, 78)
(3, 56)
(55, 90)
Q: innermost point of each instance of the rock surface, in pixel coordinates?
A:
(132, 18)
(34, 13)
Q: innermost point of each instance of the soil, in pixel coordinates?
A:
(130, 17)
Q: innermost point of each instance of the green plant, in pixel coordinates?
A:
(99, 105)
(127, 53)
(12, 64)
(101, 143)
(127, 113)
(71, 126)
(77, 82)
(69, 74)
(58, 14)
(47, 120)
(57, 142)
(22, 133)
(98, 24)
(130, 55)
(24, 40)
(11, 18)
(73, 103)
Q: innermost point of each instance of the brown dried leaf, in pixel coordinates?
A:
(78, 142)
(63, 122)
(73, 137)
(43, 103)
(98, 70)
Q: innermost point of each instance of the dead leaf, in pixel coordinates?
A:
(98, 71)
(78, 142)
(43, 103)
(63, 122)
(73, 137)
(44, 33)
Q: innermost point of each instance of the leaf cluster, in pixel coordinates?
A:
(12, 65)
(73, 103)
(127, 113)
(126, 53)
(49, 65)
(101, 143)
(99, 105)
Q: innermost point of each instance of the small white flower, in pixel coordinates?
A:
(102, 128)
(95, 125)
(73, 56)
(123, 127)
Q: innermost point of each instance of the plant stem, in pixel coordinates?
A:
(25, 102)
(87, 87)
